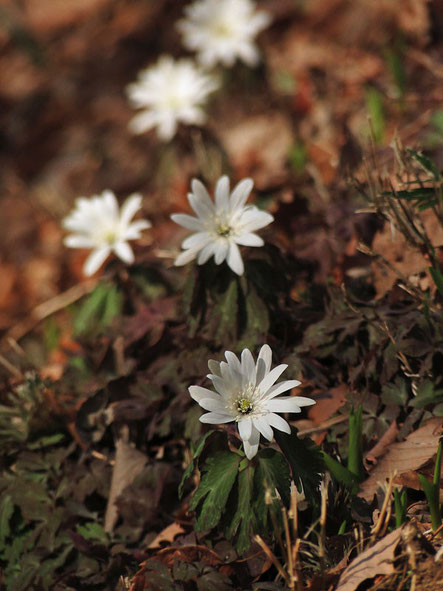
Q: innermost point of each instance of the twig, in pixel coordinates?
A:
(11, 368)
(323, 426)
(271, 557)
(48, 308)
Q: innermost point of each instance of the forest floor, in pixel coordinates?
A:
(340, 127)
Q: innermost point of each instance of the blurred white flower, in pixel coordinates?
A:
(97, 223)
(169, 92)
(246, 392)
(219, 227)
(223, 30)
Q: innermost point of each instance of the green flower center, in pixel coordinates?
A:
(224, 230)
(109, 236)
(244, 406)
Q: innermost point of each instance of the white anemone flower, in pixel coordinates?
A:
(97, 223)
(169, 92)
(223, 30)
(222, 225)
(246, 393)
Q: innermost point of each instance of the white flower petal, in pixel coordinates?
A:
(264, 361)
(124, 252)
(222, 31)
(261, 423)
(196, 241)
(240, 193)
(213, 404)
(185, 257)
(254, 219)
(200, 193)
(234, 259)
(253, 408)
(215, 418)
(222, 194)
(95, 260)
(187, 221)
(248, 367)
(221, 386)
(206, 253)
(271, 377)
(251, 445)
(233, 360)
(221, 250)
(245, 428)
(249, 240)
(129, 208)
(169, 92)
(199, 393)
(100, 225)
(283, 404)
(78, 241)
(214, 367)
(281, 387)
(279, 423)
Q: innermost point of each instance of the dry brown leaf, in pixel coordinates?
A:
(328, 403)
(45, 16)
(129, 462)
(396, 250)
(259, 146)
(381, 446)
(166, 535)
(376, 560)
(405, 456)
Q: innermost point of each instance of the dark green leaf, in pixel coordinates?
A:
(305, 459)
(198, 450)
(340, 472)
(243, 513)
(219, 474)
(426, 163)
(273, 473)
(355, 446)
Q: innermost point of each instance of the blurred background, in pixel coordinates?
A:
(333, 74)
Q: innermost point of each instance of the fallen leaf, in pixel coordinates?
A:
(327, 404)
(259, 146)
(376, 560)
(381, 446)
(129, 462)
(400, 254)
(405, 456)
(166, 535)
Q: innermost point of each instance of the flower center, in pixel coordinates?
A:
(244, 406)
(221, 28)
(224, 230)
(109, 236)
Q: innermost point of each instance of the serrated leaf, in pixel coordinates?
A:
(219, 474)
(243, 514)
(305, 459)
(213, 581)
(189, 470)
(426, 394)
(273, 472)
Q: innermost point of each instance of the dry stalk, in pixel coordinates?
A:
(270, 554)
(385, 515)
